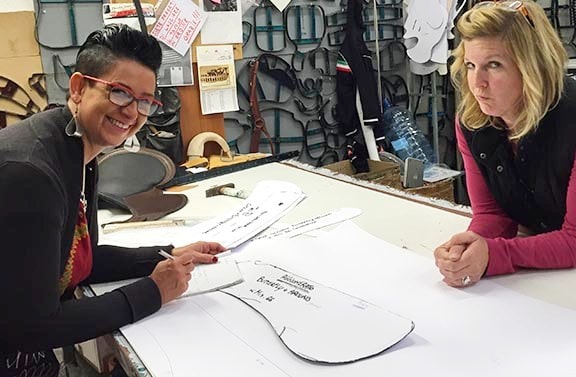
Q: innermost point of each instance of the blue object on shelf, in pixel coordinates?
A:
(405, 137)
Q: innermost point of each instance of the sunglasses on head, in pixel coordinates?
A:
(122, 96)
(513, 6)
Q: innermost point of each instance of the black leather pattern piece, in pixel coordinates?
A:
(124, 174)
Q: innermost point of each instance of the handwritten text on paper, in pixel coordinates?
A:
(178, 24)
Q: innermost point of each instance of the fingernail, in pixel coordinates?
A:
(214, 259)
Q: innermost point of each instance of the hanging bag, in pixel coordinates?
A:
(161, 132)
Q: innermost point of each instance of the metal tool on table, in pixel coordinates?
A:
(114, 227)
(227, 189)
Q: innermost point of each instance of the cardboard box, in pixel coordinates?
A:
(17, 30)
(388, 174)
(19, 60)
(381, 172)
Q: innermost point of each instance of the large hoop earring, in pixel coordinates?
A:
(72, 128)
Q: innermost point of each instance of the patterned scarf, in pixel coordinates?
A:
(79, 263)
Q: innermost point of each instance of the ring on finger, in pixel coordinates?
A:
(466, 280)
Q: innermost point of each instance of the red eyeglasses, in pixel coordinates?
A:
(514, 6)
(122, 96)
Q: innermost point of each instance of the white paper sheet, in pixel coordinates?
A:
(314, 223)
(268, 202)
(217, 79)
(227, 13)
(280, 4)
(437, 173)
(205, 278)
(178, 24)
(175, 70)
(484, 330)
(315, 322)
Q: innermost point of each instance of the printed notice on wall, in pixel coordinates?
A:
(217, 78)
(178, 22)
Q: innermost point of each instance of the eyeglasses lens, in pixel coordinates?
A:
(121, 97)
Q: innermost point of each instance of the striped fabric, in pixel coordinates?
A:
(342, 65)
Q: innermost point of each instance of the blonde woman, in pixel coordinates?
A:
(517, 135)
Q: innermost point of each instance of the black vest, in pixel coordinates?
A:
(531, 186)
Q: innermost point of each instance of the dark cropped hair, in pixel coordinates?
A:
(105, 47)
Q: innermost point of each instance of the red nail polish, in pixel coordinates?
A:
(214, 259)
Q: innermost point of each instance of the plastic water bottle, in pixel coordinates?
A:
(405, 137)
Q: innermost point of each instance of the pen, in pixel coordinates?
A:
(225, 253)
(165, 254)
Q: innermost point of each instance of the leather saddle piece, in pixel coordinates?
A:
(130, 181)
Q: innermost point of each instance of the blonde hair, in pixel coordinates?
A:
(536, 50)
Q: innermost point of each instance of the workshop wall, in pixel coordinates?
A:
(299, 47)
(61, 30)
(298, 44)
(20, 63)
(297, 78)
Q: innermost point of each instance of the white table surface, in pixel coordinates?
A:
(404, 223)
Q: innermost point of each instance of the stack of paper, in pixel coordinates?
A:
(205, 278)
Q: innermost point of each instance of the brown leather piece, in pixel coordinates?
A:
(259, 125)
(130, 180)
(153, 204)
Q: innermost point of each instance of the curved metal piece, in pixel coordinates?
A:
(386, 32)
(301, 36)
(310, 144)
(309, 87)
(246, 32)
(330, 144)
(336, 37)
(277, 126)
(338, 18)
(313, 109)
(324, 60)
(271, 30)
(399, 88)
(385, 13)
(275, 69)
(396, 51)
(246, 129)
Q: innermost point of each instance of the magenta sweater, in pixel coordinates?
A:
(508, 252)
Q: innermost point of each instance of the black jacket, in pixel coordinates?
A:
(531, 185)
(354, 72)
(40, 185)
